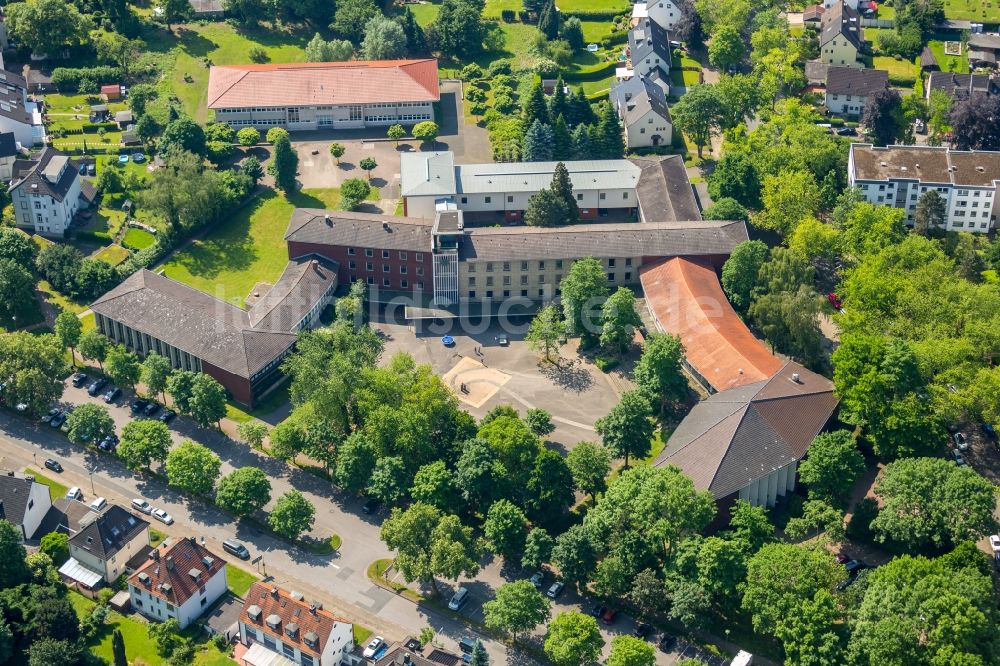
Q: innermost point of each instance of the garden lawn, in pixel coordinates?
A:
(247, 248)
(570, 6)
(495, 7)
(277, 398)
(139, 239)
(113, 254)
(902, 73)
(972, 10)
(425, 13)
(89, 322)
(239, 580)
(56, 489)
(961, 63)
(60, 301)
(595, 31)
(136, 636)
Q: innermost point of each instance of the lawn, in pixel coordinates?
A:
(948, 63)
(570, 6)
(275, 399)
(58, 300)
(106, 220)
(683, 77)
(56, 489)
(71, 112)
(247, 248)
(89, 322)
(494, 7)
(239, 580)
(156, 537)
(972, 10)
(595, 31)
(425, 13)
(902, 73)
(139, 239)
(113, 254)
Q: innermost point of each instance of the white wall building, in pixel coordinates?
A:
(181, 580)
(23, 502)
(18, 114)
(968, 181)
(642, 107)
(299, 630)
(105, 543)
(665, 13)
(48, 194)
(848, 88)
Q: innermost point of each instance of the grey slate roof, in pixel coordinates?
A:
(12, 94)
(637, 96)
(984, 41)
(648, 38)
(738, 436)
(854, 81)
(236, 340)
(35, 180)
(653, 239)
(8, 145)
(664, 191)
(109, 532)
(14, 494)
(959, 85)
(839, 20)
(334, 227)
(534, 176)
(426, 174)
(816, 71)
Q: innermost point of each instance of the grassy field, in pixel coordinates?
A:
(60, 301)
(494, 7)
(71, 112)
(247, 248)
(113, 254)
(239, 580)
(948, 63)
(570, 6)
(56, 489)
(140, 239)
(972, 10)
(426, 13)
(901, 72)
(89, 322)
(595, 31)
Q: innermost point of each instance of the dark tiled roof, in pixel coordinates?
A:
(290, 608)
(14, 494)
(840, 19)
(854, 81)
(108, 532)
(816, 71)
(962, 85)
(37, 181)
(300, 287)
(738, 436)
(652, 239)
(647, 38)
(8, 145)
(636, 97)
(332, 227)
(12, 94)
(984, 41)
(927, 59)
(664, 191)
(174, 565)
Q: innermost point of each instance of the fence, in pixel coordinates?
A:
(877, 23)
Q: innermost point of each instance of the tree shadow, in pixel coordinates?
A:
(569, 375)
(193, 43)
(346, 166)
(378, 182)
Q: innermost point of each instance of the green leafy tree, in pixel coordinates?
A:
(619, 320)
(550, 488)
(183, 134)
(537, 548)
(506, 528)
(335, 50)
(60, 264)
(518, 607)
(832, 466)
(17, 246)
(243, 491)
(818, 517)
(574, 554)
(353, 191)
(435, 484)
(165, 636)
(93, 347)
(590, 465)
(47, 26)
(68, 328)
(384, 39)
(143, 441)
(284, 164)
(123, 366)
(726, 48)
(155, 372)
(13, 570)
(539, 421)
(16, 289)
(175, 11)
(337, 150)
(573, 639)
(35, 366)
(248, 137)
(789, 197)
(426, 131)
(583, 291)
(648, 593)
(721, 567)
(698, 114)
(253, 433)
(430, 544)
(930, 212)
(208, 400)
(351, 18)
(288, 439)
(515, 445)
(56, 546)
(546, 331)
(292, 515)
(355, 462)
(933, 501)
(192, 468)
(809, 636)
(883, 117)
(53, 652)
(658, 372)
(789, 321)
(180, 385)
(739, 96)
(631, 651)
(396, 132)
(389, 479)
(545, 209)
(627, 430)
(89, 423)
(368, 164)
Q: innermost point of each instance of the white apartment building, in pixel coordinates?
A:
(47, 195)
(107, 541)
(642, 107)
(848, 88)
(19, 114)
(23, 502)
(968, 181)
(664, 13)
(180, 580)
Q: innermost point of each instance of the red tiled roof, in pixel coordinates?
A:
(267, 600)
(687, 300)
(175, 567)
(323, 83)
(115, 88)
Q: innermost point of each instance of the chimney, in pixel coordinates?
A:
(385, 225)
(312, 608)
(170, 563)
(194, 541)
(274, 592)
(796, 378)
(155, 554)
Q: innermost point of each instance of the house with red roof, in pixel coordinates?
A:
(180, 580)
(324, 95)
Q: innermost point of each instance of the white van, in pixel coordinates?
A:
(98, 503)
(459, 598)
(74, 493)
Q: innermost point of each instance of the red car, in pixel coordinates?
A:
(835, 301)
(608, 616)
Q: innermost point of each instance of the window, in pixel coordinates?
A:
(524, 265)
(472, 294)
(420, 284)
(204, 601)
(506, 280)
(402, 270)
(369, 252)
(541, 292)
(489, 293)
(472, 267)
(510, 198)
(628, 275)
(524, 292)
(628, 262)
(404, 284)
(351, 265)
(558, 263)
(386, 283)
(402, 256)
(579, 196)
(488, 200)
(489, 266)
(603, 196)
(369, 266)
(506, 293)
(371, 280)
(306, 659)
(541, 265)
(350, 251)
(489, 281)
(420, 271)
(506, 266)
(420, 256)
(611, 277)
(472, 281)
(465, 200)
(288, 650)
(611, 263)
(524, 279)
(293, 115)
(625, 195)
(385, 268)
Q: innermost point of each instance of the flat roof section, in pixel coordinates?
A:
(687, 300)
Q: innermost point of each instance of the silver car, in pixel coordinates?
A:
(163, 516)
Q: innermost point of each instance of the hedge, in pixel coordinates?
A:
(67, 79)
(615, 38)
(594, 14)
(591, 74)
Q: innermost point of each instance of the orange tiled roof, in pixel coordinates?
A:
(175, 565)
(687, 300)
(310, 621)
(323, 83)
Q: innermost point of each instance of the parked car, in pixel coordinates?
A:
(995, 542)
(555, 589)
(854, 566)
(137, 405)
(667, 642)
(597, 610)
(163, 516)
(112, 395)
(835, 301)
(57, 419)
(74, 493)
(503, 340)
(51, 413)
(537, 579)
(959, 460)
(98, 503)
(167, 416)
(96, 386)
(961, 443)
(459, 598)
(64, 426)
(234, 547)
(642, 630)
(371, 505)
(989, 430)
(847, 131)
(842, 558)
(109, 444)
(91, 169)
(79, 379)
(609, 615)
(150, 409)
(372, 647)
(466, 644)
(142, 506)
(53, 465)
(920, 126)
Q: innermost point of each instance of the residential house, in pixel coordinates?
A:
(649, 53)
(642, 107)
(241, 348)
(841, 37)
(18, 113)
(111, 93)
(848, 88)
(324, 95)
(409, 652)
(984, 49)
(180, 580)
(853, 4)
(47, 193)
(968, 181)
(8, 155)
(961, 85)
(208, 9)
(123, 119)
(665, 13)
(23, 502)
(813, 15)
(289, 626)
(105, 543)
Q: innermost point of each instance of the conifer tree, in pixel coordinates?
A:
(562, 140)
(535, 107)
(562, 187)
(537, 145)
(559, 102)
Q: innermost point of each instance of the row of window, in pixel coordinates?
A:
(369, 252)
(506, 265)
(386, 268)
(579, 197)
(256, 123)
(524, 280)
(387, 283)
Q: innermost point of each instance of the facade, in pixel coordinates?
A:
(665, 13)
(106, 542)
(18, 114)
(324, 95)
(301, 631)
(649, 52)
(841, 37)
(8, 155)
(642, 107)
(961, 85)
(847, 88)
(968, 181)
(240, 347)
(180, 580)
(23, 502)
(47, 193)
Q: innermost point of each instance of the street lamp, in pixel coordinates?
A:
(91, 472)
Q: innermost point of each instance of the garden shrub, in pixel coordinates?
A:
(67, 79)
(507, 15)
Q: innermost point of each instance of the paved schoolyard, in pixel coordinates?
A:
(575, 392)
